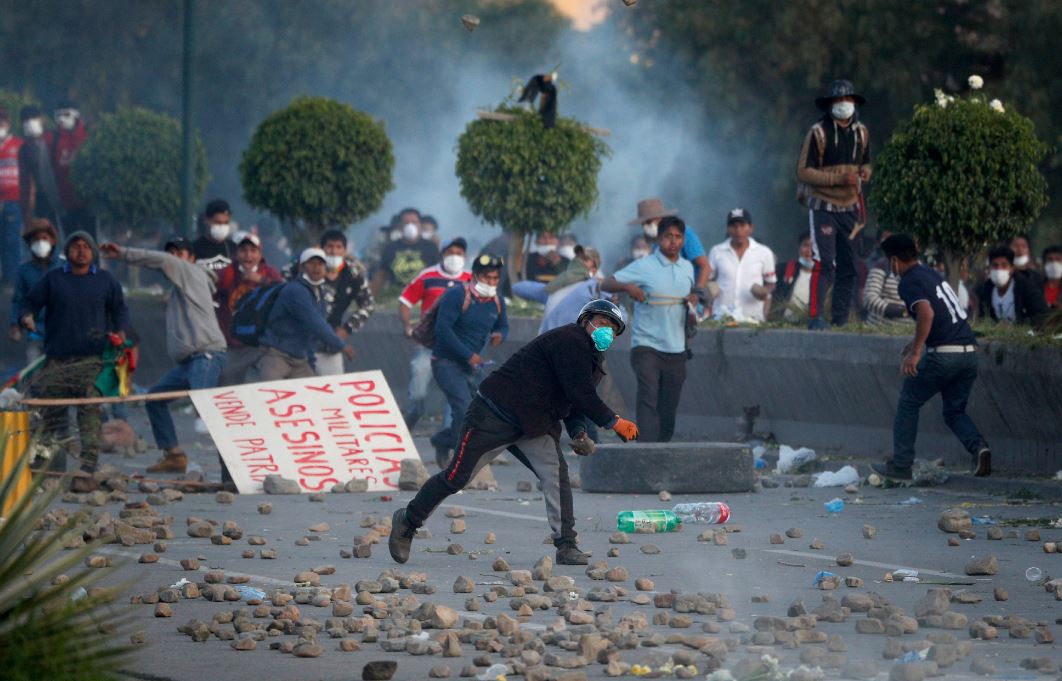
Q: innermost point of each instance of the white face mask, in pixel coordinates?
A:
(66, 121)
(1053, 269)
(41, 248)
(410, 231)
(650, 229)
(807, 263)
(639, 253)
(219, 232)
(453, 263)
(5, 130)
(1021, 260)
(567, 252)
(334, 262)
(842, 111)
(34, 127)
(543, 249)
(313, 282)
(1000, 277)
(485, 290)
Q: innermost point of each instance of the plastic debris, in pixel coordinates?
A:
(834, 505)
(78, 594)
(760, 464)
(983, 520)
(181, 582)
(493, 672)
(905, 574)
(249, 592)
(790, 459)
(823, 574)
(1034, 574)
(909, 501)
(10, 399)
(845, 476)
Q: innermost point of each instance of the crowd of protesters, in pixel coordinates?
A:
(243, 307)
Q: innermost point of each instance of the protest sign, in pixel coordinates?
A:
(317, 431)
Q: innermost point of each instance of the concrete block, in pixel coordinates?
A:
(678, 467)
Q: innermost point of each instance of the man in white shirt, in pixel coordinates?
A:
(744, 271)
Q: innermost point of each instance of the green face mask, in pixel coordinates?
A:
(602, 337)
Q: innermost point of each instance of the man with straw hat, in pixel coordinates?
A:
(650, 211)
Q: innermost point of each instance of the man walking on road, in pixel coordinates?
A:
(193, 338)
(942, 358)
(520, 407)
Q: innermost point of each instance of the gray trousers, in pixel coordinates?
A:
(274, 365)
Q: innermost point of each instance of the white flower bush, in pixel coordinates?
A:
(976, 82)
(996, 105)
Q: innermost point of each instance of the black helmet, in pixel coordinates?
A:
(486, 261)
(605, 307)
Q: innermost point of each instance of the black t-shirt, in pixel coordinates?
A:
(540, 269)
(404, 261)
(212, 255)
(949, 318)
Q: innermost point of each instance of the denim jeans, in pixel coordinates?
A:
(199, 371)
(10, 239)
(535, 291)
(950, 374)
(419, 380)
(458, 382)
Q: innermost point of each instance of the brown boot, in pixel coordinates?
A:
(173, 461)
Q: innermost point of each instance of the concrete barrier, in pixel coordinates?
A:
(676, 467)
(834, 392)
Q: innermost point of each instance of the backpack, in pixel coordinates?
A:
(424, 332)
(252, 312)
(819, 133)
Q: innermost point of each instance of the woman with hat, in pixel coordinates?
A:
(834, 163)
(649, 213)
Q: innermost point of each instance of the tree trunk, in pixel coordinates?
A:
(953, 262)
(516, 256)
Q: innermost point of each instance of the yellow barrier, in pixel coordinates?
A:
(14, 436)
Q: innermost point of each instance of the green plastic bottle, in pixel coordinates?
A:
(647, 521)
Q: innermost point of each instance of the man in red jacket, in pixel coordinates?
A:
(63, 144)
(10, 211)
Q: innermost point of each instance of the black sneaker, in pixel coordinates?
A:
(401, 536)
(569, 554)
(886, 470)
(442, 457)
(982, 463)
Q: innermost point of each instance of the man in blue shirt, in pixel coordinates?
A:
(86, 310)
(467, 317)
(661, 285)
(650, 212)
(942, 358)
(41, 237)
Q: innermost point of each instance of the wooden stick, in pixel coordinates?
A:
(499, 116)
(81, 401)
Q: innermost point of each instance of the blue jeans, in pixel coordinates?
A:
(10, 239)
(458, 382)
(194, 373)
(950, 374)
(535, 291)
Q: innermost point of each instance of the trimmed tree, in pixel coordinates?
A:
(129, 169)
(960, 174)
(318, 164)
(526, 179)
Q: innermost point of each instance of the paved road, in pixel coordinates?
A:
(907, 536)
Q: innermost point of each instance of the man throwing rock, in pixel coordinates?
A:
(520, 407)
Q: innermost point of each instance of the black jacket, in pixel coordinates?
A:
(1029, 303)
(551, 378)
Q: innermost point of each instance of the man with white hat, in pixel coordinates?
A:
(296, 324)
(650, 211)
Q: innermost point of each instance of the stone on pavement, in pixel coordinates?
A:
(984, 565)
(277, 484)
(954, 520)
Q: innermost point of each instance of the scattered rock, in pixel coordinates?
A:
(277, 484)
(619, 538)
(740, 554)
(523, 486)
(985, 565)
(319, 527)
(1032, 535)
(490, 538)
(664, 495)
(845, 559)
(954, 520)
(265, 508)
(816, 544)
(793, 533)
(308, 650)
(982, 666)
(224, 497)
(163, 610)
(455, 549)
(439, 671)
(644, 584)
(869, 531)
(464, 585)
(777, 538)
(994, 533)
(457, 526)
(650, 549)
(853, 582)
(953, 541)
(1000, 594)
(149, 558)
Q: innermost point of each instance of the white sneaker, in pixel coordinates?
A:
(201, 427)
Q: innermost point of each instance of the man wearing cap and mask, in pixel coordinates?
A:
(193, 338)
(650, 211)
(41, 237)
(38, 189)
(403, 259)
(214, 250)
(834, 163)
(296, 325)
(248, 272)
(744, 271)
(85, 308)
(425, 290)
(467, 317)
(520, 407)
(346, 286)
(65, 141)
(544, 262)
(10, 210)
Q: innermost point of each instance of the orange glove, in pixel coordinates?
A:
(627, 430)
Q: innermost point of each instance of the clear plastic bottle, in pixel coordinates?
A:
(709, 512)
(647, 521)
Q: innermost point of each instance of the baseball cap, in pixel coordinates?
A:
(310, 254)
(459, 242)
(179, 243)
(241, 236)
(739, 215)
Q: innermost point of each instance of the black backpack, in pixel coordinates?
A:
(252, 312)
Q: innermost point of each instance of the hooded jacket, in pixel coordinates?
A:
(191, 324)
(81, 309)
(296, 324)
(28, 274)
(831, 152)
